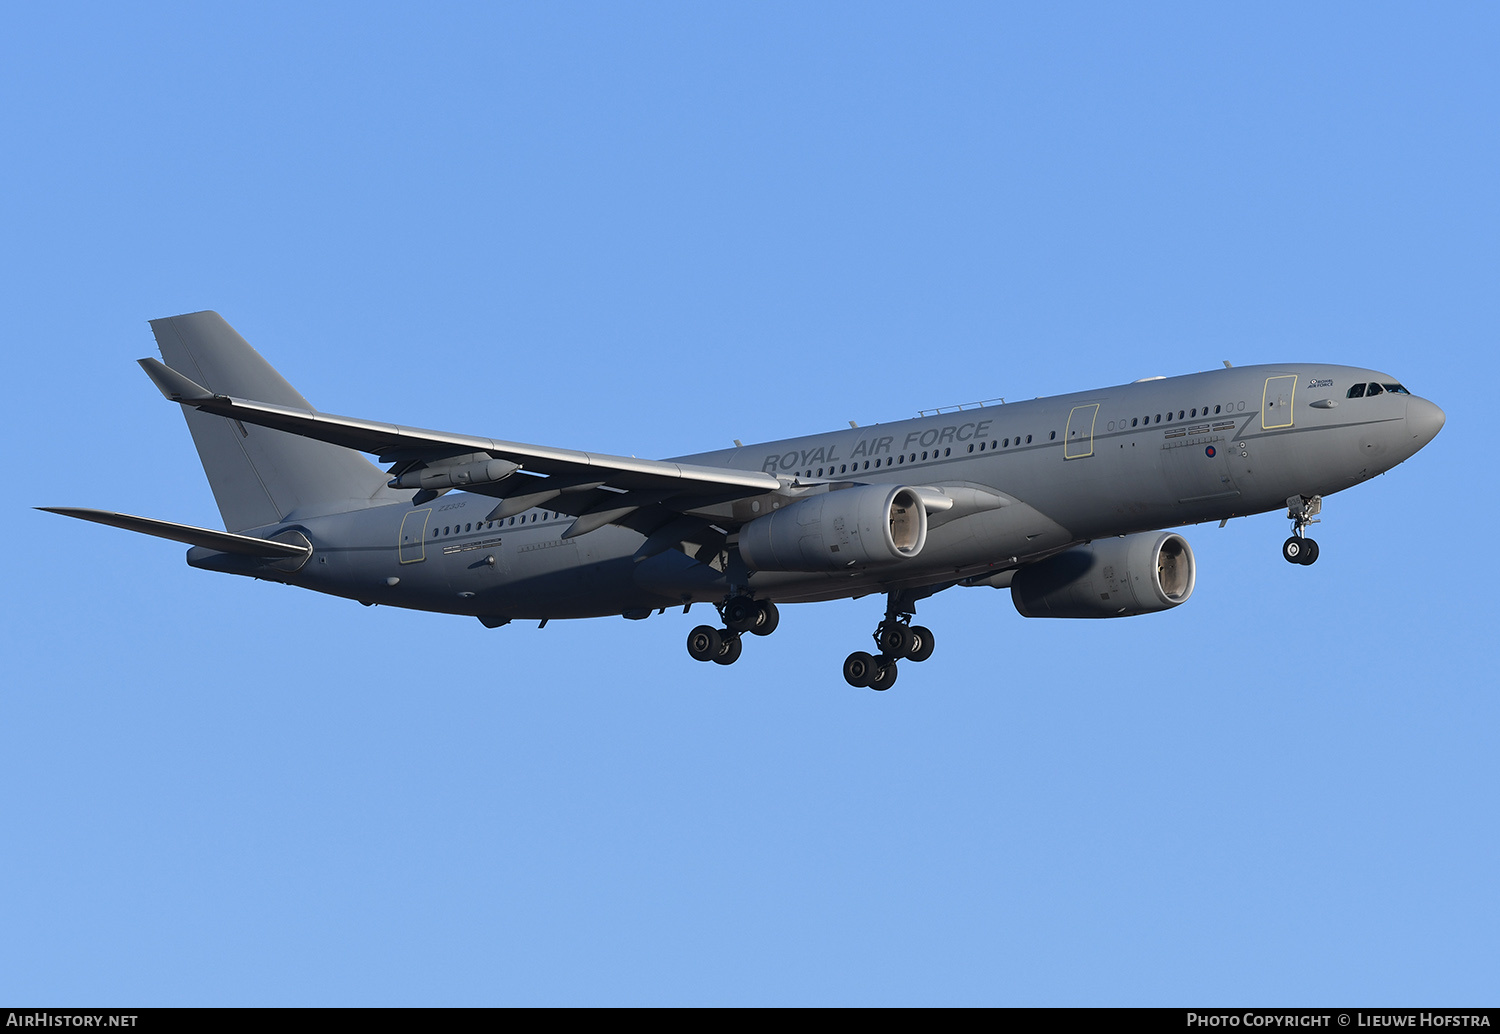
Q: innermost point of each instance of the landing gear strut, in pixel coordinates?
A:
(1302, 510)
(741, 614)
(897, 638)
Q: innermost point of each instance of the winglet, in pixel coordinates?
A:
(173, 384)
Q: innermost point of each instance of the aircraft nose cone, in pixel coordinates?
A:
(1423, 419)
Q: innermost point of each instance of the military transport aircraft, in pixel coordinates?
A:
(1059, 499)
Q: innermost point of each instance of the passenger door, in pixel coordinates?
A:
(412, 548)
(1276, 402)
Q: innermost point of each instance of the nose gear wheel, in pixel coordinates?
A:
(1301, 510)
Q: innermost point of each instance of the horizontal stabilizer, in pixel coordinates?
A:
(173, 384)
(223, 541)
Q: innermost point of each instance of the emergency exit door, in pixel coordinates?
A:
(1079, 442)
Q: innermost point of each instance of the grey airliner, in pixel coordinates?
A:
(1062, 500)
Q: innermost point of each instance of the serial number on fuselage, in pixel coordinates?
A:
(876, 446)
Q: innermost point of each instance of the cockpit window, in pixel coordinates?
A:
(1372, 390)
(1396, 389)
(1357, 392)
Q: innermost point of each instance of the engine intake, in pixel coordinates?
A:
(867, 524)
(1108, 578)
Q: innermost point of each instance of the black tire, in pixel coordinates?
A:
(885, 677)
(859, 669)
(1309, 553)
(704, 643)
(921, 643)
(1291, 550)
(732, 647)
(895, 640)
(770, 618)
(742, 614)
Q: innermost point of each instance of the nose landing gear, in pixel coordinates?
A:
(1302, 510)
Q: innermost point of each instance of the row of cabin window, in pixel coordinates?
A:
(491, 525)
(1191, 414)
(1365, 391)
(844, 468)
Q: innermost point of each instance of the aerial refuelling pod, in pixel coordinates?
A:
(866, 524)
(1108, 578)
(458, 472)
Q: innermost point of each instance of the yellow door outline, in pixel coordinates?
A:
(412, 546)
(1079, 444)
(1277, 404)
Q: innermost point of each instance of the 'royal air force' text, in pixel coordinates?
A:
(869, 448)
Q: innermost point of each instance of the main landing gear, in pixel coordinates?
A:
(897, 638)
(1302, 510)
(741, 614)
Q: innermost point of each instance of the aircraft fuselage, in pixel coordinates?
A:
(1068, 469)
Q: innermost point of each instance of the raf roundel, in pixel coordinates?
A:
(1210, 452)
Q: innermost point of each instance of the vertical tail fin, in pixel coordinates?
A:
(260, 476)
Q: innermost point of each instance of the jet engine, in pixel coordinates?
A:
(866, 524)
(1108, 578)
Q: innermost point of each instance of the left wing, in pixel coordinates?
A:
(675, 505)
(598, 489)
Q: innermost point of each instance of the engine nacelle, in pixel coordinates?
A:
(1108, 578)
(867, 524)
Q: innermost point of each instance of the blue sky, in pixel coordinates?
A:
(652, 229)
